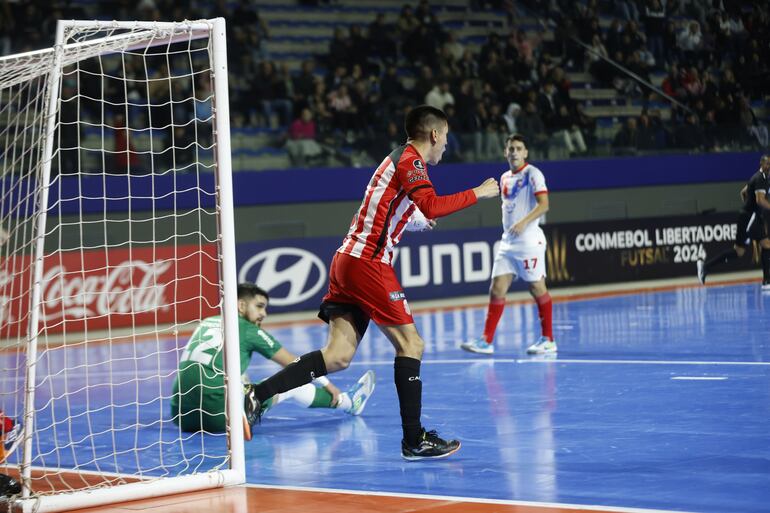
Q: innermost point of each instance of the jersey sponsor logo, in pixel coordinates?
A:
(397, 295)
(264, 336)
(415, 175)
(290, 275)
(418, 164)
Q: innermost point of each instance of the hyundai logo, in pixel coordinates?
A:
(295, 274)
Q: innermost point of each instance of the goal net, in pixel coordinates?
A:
(116, 238)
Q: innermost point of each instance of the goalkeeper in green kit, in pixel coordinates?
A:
(198, 400)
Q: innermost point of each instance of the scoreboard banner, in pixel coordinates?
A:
(442, 264)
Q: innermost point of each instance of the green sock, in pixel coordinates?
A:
(322, 399)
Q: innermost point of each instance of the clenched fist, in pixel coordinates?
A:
(488, 189)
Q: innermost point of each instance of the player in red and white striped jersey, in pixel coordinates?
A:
(363, 285)
(521, 253)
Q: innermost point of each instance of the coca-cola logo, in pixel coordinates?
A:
(130, 287)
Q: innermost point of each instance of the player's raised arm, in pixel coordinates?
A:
(488, 189)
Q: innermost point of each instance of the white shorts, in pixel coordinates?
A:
(525, 261)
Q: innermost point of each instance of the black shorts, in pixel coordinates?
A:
(329, 309)
(751, 226)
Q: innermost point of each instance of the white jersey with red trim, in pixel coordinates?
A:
(518, 190)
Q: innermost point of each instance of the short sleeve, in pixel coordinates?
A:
(412, 173)
(258, 340)
(538, 182)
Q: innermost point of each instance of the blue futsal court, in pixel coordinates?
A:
(656, 400)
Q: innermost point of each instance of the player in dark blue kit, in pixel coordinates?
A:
(752, 225)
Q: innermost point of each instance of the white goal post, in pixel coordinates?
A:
(116, 238)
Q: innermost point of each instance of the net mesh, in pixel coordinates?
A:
(130, 258)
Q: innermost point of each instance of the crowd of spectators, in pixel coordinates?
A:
(714, 55)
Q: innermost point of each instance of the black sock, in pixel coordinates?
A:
(722, 258)
(299, 372)
(409, 388)
(765, 265)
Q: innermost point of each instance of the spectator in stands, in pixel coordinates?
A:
(567, 131)
(423, 84)
(440, 96)
(125, 160)
(393, 92)
(454, 47)
(587, 125)
(753, 133)
(647, 138)
(548, 103)
(692, 83)
(270, 90)
(407, 22)
(453, 152)
(510, 117)
(419, 47)
(447, 65)
(495, 74)
(321, 113)
(386, 141)
(672, 84)
(336, 79)
(468, 66)
(343, 110)
(690, 134)
(302, 145)
(339, 49)
(598, 65)
(303, 84)
(358, 48)
(690, 41)
(381, 44)
(626, 141)
(256, 29)
(627, 9)
(532, 127)
(655, 29)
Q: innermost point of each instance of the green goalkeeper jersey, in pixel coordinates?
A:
(198, 398)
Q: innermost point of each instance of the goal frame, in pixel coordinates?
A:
(216, 30)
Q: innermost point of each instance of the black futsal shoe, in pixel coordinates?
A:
(9, 486)
(252, 410)
(430, 446)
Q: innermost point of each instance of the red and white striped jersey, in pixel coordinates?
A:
(399, 183)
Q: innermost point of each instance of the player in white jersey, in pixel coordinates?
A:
(522, 249)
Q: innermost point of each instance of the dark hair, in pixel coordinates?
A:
(515, 137)
(250, 290)
(421, 120)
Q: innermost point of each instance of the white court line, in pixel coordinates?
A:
(614, 509)
(700, 378)
(560, 360)
(360, 363)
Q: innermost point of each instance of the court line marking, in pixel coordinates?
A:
(478, 500)
(559, 360)
(700, 378)
(153, 372)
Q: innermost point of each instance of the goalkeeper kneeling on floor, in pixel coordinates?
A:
(198, 400)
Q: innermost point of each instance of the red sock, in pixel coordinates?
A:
(494, 312)
(545, 312)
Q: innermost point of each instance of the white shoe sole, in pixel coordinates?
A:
(474, 349)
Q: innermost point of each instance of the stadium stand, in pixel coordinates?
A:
(692, 75)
